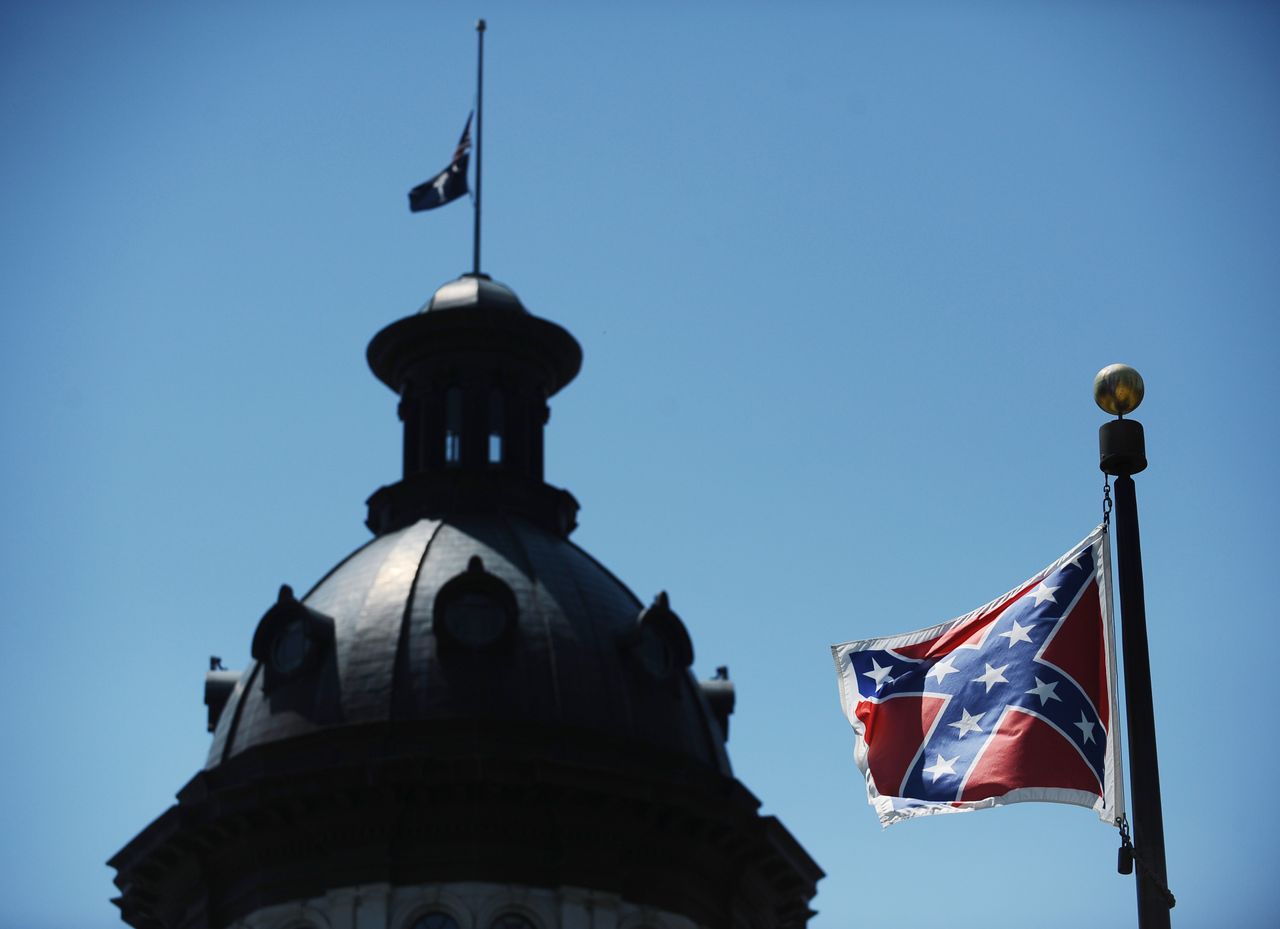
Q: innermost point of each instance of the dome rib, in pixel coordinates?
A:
(367, 686)
(539, 592)
(223, 738)
(638, 605)
(400, 669)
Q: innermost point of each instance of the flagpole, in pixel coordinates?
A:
(1118, 389)
(480, 27)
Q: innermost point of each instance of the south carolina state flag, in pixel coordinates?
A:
(1012, 702)
(449, 184)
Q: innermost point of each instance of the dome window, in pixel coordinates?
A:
(653, 653)
(475, 610)
(436, 919)
(290, 639)
(289, 647)
(512, 921)
(659, 643)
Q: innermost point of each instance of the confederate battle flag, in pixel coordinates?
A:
(1012, 702)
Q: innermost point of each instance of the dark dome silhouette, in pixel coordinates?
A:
(469, 714)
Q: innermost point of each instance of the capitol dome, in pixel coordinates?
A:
(469, 722)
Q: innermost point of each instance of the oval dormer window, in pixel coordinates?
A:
(475, 610)
(653, 653)
(291, 640)
(475, 619)
(658, 644)
(289, 647)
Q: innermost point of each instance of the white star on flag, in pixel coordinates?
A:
(1045, 691)
(968, 723)
(1043, 593)
(942, 766)
(1018, 633)
(993, 676)
(1086, 728)
(941, 669)
(878, 673)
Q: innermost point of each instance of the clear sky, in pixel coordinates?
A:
(843, 274)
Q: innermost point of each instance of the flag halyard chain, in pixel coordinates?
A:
(1106, 501)
(1128, 856)
(1124, 858)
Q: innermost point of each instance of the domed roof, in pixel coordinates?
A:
(470, 696)
(484, 616)
(474, 290)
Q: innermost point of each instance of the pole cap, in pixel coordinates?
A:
(1122, 448)
(1118, 389)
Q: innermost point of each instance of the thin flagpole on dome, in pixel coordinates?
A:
(480, 27)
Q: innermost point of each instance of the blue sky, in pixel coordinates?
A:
(843, 274)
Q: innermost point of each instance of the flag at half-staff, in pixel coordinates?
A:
(449, 184)
(1014, 701)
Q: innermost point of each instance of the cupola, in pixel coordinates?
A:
(473, 370)
(468, 721)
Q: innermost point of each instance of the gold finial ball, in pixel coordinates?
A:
(1118, 389)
